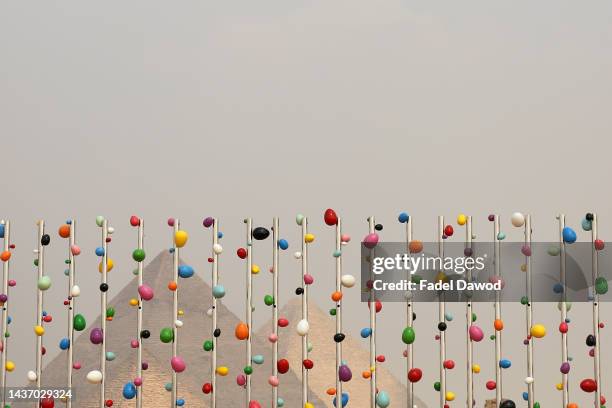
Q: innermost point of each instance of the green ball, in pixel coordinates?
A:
(601, 286)
(7, 334)
(168, 386)
(408, 335)
(474, 317)
(524, 300)
(138, 255)
(36, 262)
(208, 345)
(110, 312)
(492, 337)
(536, 405)
(44, 283)
(416, 279)
(437, 386)
(269, 300)
(332, 311)
(79, 322)
(166, 335)
(248, 370)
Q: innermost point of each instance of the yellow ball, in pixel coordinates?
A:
(133, 302)
(10, 366)
(373, 368)
(222, 371)
(180, 238)
(538, 331)
(524, 268)
(450, 396)
(109, 265)
(39, 330)
(559, 386)
(441, 277)
(461, 219)
(181, 312)
(475, 368)
(255, 269)
(308, 405)
(308, 238)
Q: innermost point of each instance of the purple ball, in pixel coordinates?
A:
(565, 368)
(208, 221)
(526, 250)
(344, 373)
(96, 336)
(3, 298)
(491, 217)
(467, 252)
(145, 365)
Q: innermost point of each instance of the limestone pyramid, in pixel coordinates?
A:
(195, 298)
(322, 375)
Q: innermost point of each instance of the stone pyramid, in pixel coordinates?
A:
(195, 298)
(322, 375)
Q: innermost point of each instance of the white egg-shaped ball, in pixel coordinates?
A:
(517, 219)
(94, 377)
(348, 281)
(297, 255)
(111, 230)
(528, 380)
(209, 312)
(303, 327)
(178, 323)
(217, 249)
(32, 376)
(75, 291)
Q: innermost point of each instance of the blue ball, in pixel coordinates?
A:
(526, 396)
(569, 235)
(64, 344)
(180, 402)
(345, 399)
(558, 288)
(219, 235)
(69, 222)
(218, 291)
(171, 250)
(403, 217)
(100, 251)
(129, 390)
(586, 224)
(1, 230)
(283, 244)
(366, 332)
(505, 363)
(9, 320)
(185, 271)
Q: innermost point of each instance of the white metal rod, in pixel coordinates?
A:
(498, 313)
(140, 390)
(595, 273)
(39, 305)
(175, 301)
(249, 304)
(441, 317)
(215, 282)
(305, 310)
(468, 315)
(564, 347)
(103, 313)
(71, 306)
(409, 323)
(338, 312)
(5, 289)
(275, 235)
(529, 316)
(372, 229)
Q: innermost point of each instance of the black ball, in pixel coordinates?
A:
(217, 332)
(413, 316)
(339, 337)
(378, 227)
(507, 404)
(589, 216)
(103, 287)
(590, 340)
(299, 291)
(260, 233)
(442, 326)
(145, 334)
(45, 239)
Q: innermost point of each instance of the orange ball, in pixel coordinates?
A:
(172, 286)
(498, 324)
(572, 405)
(336, 296)
(5, 256)
(415, 247)
(242, 331)
(64, 231)
(331, 391)
(366, 374)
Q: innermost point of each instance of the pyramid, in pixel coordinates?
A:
(322, 375)
(195, 298)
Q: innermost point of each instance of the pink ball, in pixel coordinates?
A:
(241, 379)
(308, 279)
(134, 344)
(370, 240)
(178, 364)
(145, 292)
(476, 333)
(12, 282)
(76, 365)
(138, 381)
(272, 338)
(171, 222)
(345, 238)
(254, 404)
(75, 250)
(273, 381)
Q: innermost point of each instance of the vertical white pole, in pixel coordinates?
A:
(140, 390)
(595, 273)
(338, 312)
(175, 314)
(468, 316)
(564, 348)
(215, 282)
(103, 306)
(5, 276)
(529, 310)
(305, 310)
(372, 229)
(249, 304)
(409, 323)
(498, 333)
(71, 306)
(276, 236)
(442, 318)
(39, 305)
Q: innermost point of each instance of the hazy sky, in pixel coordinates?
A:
(264, 108)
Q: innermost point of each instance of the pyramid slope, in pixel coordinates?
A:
(322, 375)
(195, 298)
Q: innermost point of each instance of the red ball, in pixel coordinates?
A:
(380, 358)
(282, 322)
(47, 319)
(491, 385)
(47, 403)
(592, 352)
(330, 217)
(43, 350)
(601, 325)
(563, 327)
(599, 244)
(282, 365)
(210, 260)
(242, 253)
(308, 364)
(108, 403)
(602, 400)
(588, 385)
(449, 364)
(108, 239)
(415, 375)
(207, 388)
(134, 221)
(378, 305)
(448, 231)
